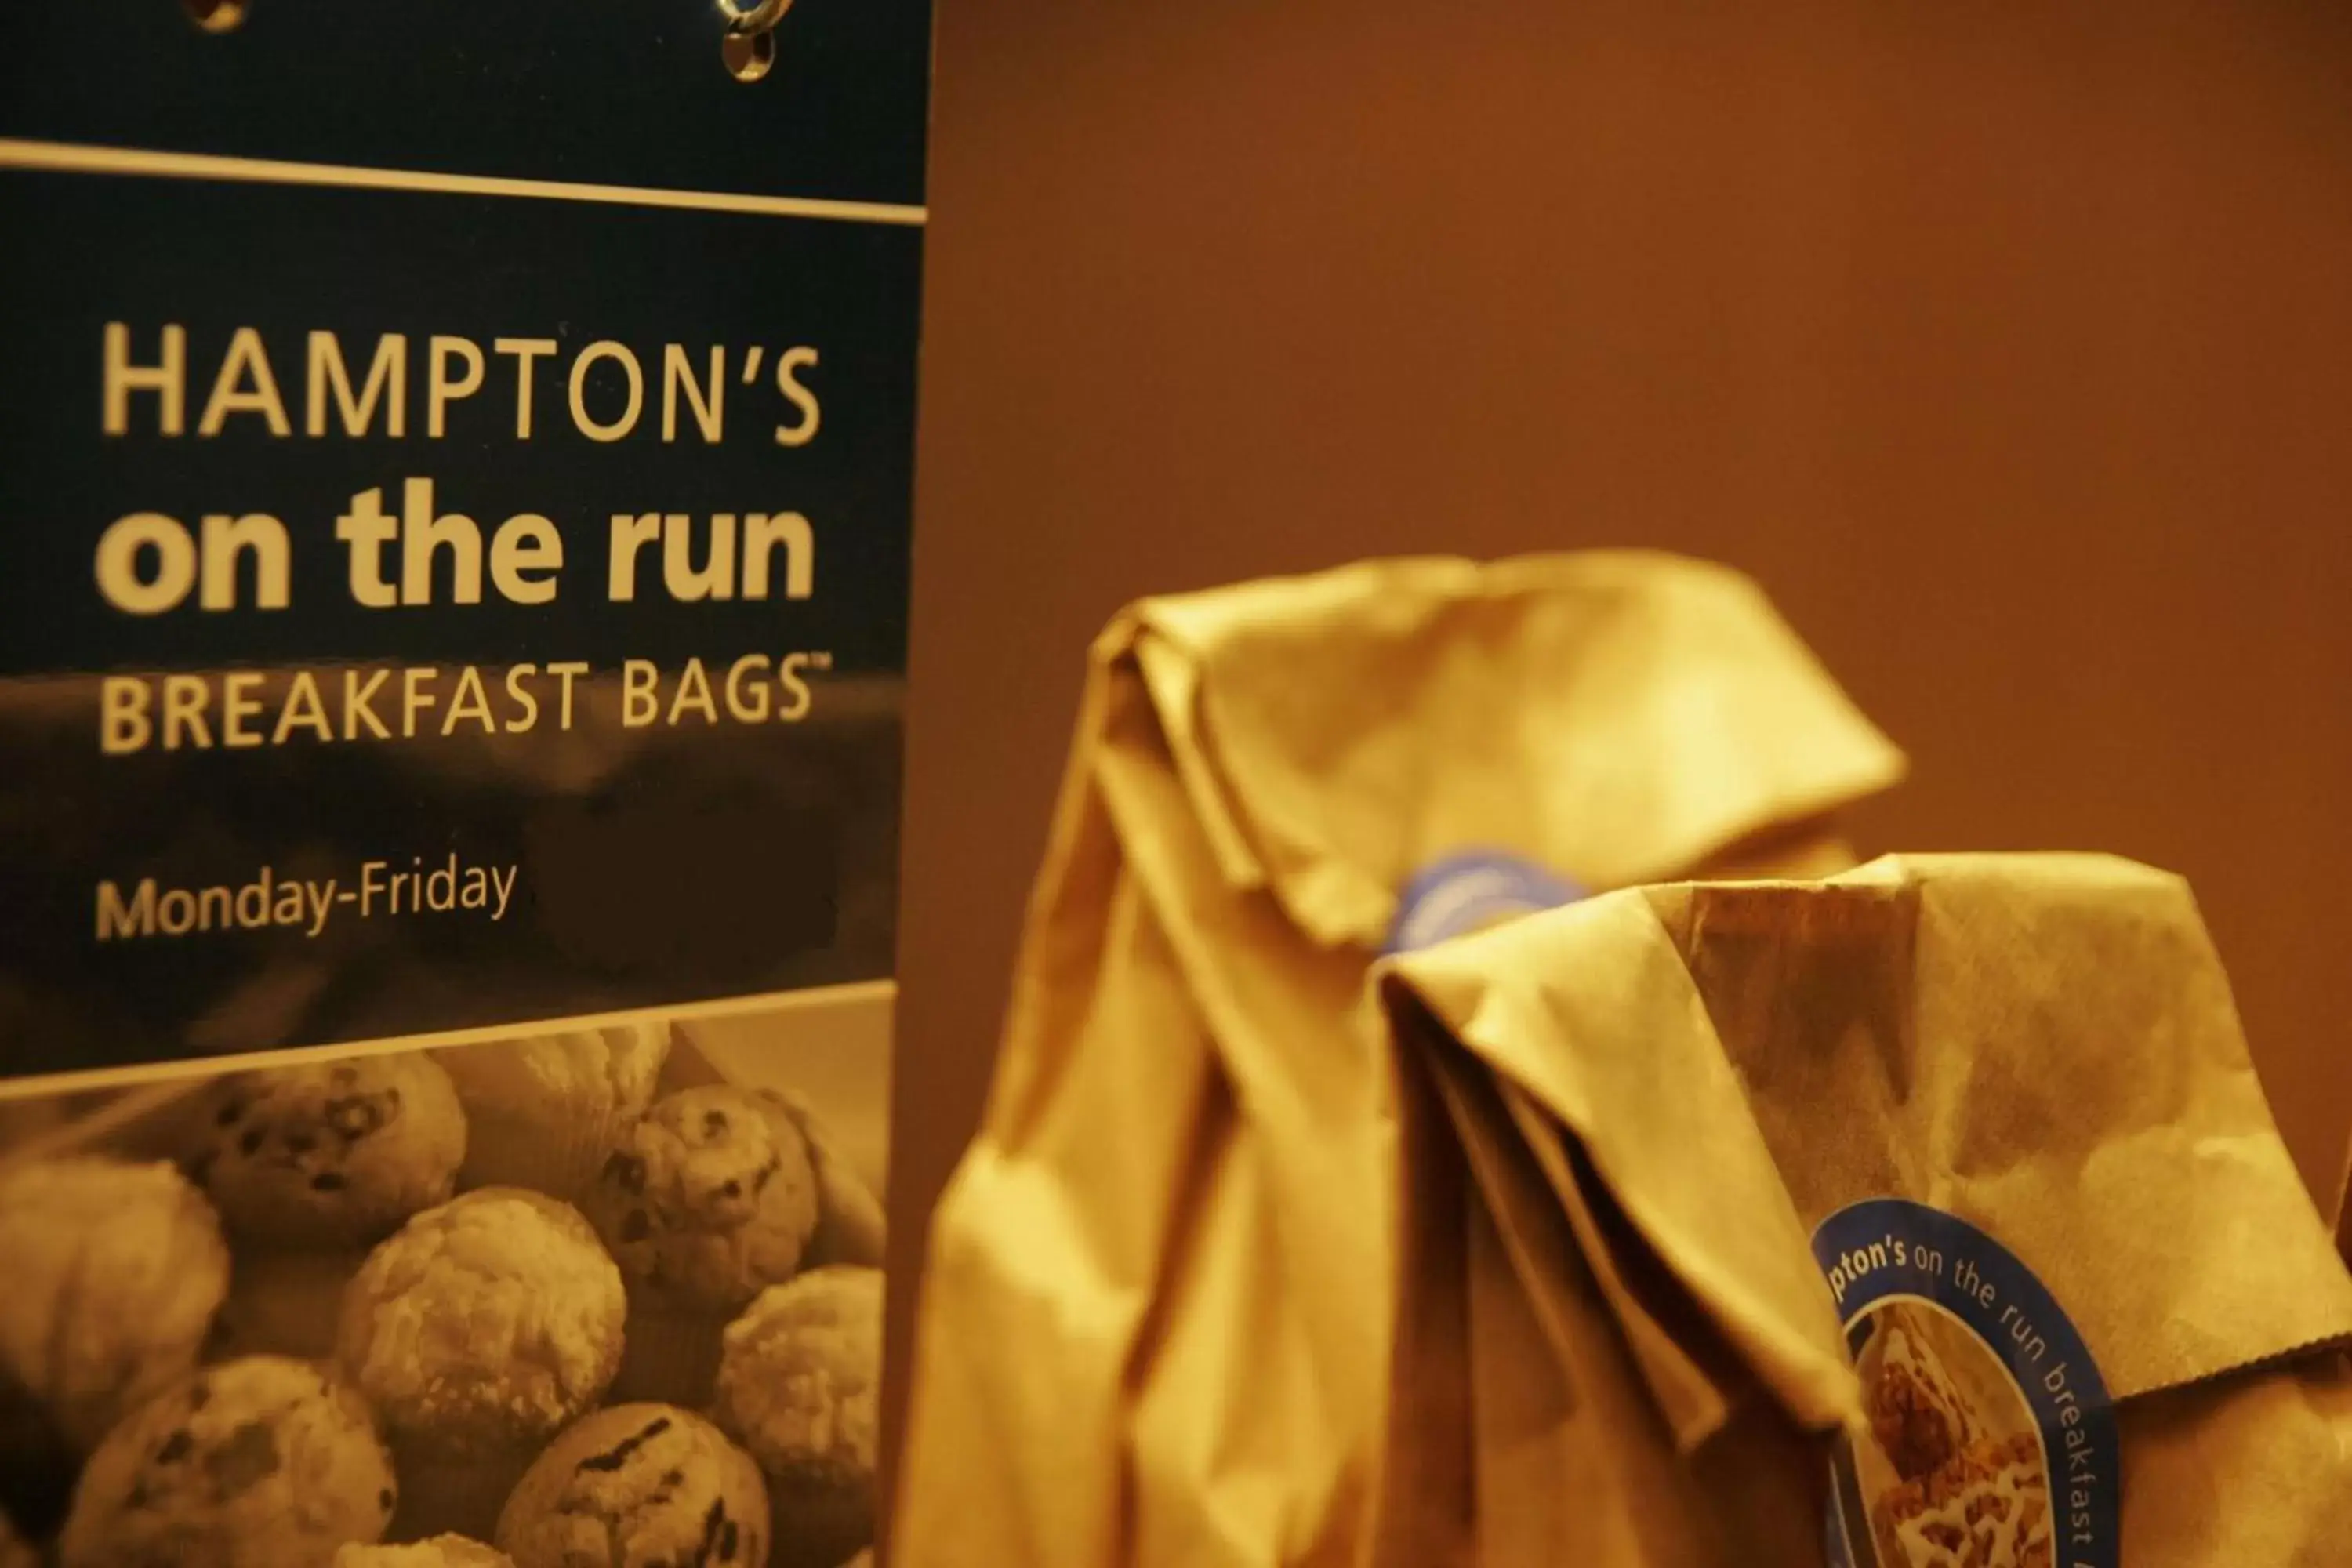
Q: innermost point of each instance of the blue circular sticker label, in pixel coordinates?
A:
(1471, 891)
(1991, 1440)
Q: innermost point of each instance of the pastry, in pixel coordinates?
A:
(115, 1270)
(478, 1331)
(259, 1463)
(712, 1198)
(546, 1108)
(799, 1384)
(636, 1485)
(331, 1153)
(850, 1227)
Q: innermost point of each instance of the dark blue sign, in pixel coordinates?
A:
(455, 513)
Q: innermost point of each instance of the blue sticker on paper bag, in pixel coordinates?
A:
(1471, 891)
(1992, 1438)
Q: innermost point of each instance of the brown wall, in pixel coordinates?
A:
(2012, 354)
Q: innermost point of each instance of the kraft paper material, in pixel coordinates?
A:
(1673, 1087)
(2343, 1217)
(1155, 1325)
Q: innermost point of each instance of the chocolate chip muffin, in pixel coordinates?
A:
(637, 1485)
(331, 1153)
(711, 1198)
(259, 1463)
(850, 1227)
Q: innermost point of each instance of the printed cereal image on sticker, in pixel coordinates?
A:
(1991, 1441)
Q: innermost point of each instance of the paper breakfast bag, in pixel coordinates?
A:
(1153, 1327)
(1612, 1347)
(2344, 1219)
(2003, 1106)
(2344, 1212)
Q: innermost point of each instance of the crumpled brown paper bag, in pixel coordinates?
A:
(2027, 1070)
(1153, 1327)
(1601, 1358)
(2343, 1216)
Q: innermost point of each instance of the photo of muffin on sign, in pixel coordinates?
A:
(501, 1302)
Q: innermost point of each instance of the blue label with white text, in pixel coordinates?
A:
(1992, 1438)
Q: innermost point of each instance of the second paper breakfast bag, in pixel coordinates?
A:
(1995, 1110)
(1152, 1328)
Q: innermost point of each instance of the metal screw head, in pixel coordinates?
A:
(753, 16)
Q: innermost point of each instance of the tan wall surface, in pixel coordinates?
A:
(2012, 354)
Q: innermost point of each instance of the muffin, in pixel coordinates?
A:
(331, 1153)
(636, 1485)
(850, 1228)
(478, 1331)
(261, 1463)
(496, 1316)
(545, 1111)
(799, 1383)
(115, 1270)
(441, 1551)
(710, 1199)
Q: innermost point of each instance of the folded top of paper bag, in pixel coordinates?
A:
(2001, 1106)
(2046, 1046)
(1618, 716)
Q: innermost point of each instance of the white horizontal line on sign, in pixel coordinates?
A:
(64, 157)
(856, 993)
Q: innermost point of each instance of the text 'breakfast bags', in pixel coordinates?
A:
(1999, 1105)
(1153, 1327)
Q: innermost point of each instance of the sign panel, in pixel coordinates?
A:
(454, 517)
